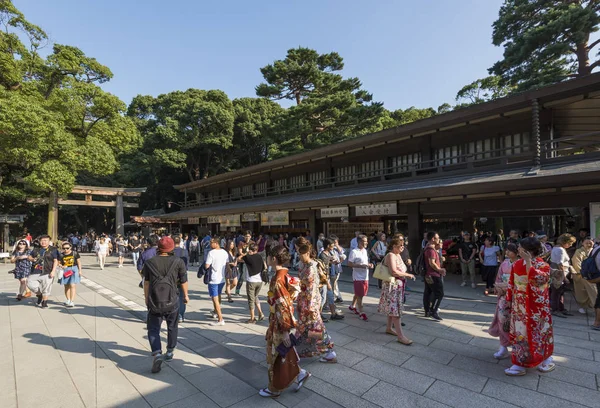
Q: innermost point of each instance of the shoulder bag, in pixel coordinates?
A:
(382, 272)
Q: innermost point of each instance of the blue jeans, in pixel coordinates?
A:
(135, 256)
(326, 296)
(182, 305)
(154, 322)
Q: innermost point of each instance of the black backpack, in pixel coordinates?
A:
(163, 297)
(420, 267)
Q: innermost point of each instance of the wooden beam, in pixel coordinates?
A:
(109, 191)
(83, 203)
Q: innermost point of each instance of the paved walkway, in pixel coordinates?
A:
(97, 355)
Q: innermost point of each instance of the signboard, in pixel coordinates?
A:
(334, 212)
(275, 218)
(595, 220)
(194, 220)
(11, 219)
(229, 220)
(250, 217)
(376, 209)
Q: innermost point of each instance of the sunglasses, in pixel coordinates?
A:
(66, 247)
(21, 243)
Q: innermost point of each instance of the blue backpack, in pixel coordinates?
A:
(589, 269)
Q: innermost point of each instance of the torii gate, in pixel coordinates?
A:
(89, 191)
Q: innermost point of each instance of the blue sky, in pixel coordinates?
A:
(407, 53)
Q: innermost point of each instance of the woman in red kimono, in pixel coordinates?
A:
(530, 323)
(283, 290)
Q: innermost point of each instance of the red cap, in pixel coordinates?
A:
(166, 244)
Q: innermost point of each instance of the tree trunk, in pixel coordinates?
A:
(298, 98)
(207, 166)
(583, 59)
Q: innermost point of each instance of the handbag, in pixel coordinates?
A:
(382, 272)
(61, 272)
(285, 369)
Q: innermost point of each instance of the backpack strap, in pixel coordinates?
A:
(156, 272)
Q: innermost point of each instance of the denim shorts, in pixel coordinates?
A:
(215, 289)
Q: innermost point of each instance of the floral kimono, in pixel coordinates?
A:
(282, 292)
(312, 336)
(501, 285)
(530, 318)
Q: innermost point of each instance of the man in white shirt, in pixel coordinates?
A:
(354, 242)
(358, 260)
(217, 261)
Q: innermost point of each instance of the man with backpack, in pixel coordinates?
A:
(161, 275)
(590, 271)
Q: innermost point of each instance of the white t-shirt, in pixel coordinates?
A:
(217, 259)
(103, 248)
(359, 256)
(490, 256)
(559, 256)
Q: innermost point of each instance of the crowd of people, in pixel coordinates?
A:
(527, 273)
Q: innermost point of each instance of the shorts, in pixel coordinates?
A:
(253, 290)
(215, 289)
(40, 284)
(361, 288)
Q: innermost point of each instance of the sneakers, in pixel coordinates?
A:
(44, 304)
(364, 317)
(337, 317)
(462, 285)
(338, 300)
(219, 323)
(180, 320)
(39, 300)
(581, 310)
(157, 363)
(436, 316)
(141, 285)
(69, 303)
(169, 356)
(353, 310)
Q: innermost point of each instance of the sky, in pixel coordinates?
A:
(406, 53)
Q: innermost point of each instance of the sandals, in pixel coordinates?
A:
(328, 360)
(406, 342)
(261, 317)
(302, 381)
(251, 321)
(265, 392)
(391, 333)
(546, 368)
(515, 372)
(230, 300)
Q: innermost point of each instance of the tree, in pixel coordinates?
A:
(545, 41)
(55, 121)
(189, 130)
(482, 90)
(255, 130)
(328, 107)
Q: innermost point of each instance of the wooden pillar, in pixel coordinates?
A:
(535, 132)
(120, 218)
(312, 225)
(53, 216)
(415, 230)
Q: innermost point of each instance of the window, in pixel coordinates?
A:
(318, 178)
(236, 192)
(345, 173)
(247, 191)
(516, 144)
(447, 155)
(481, 149)
(261, 188)
(298, 181)
(372, 168)
(280, 184)
(406, 162)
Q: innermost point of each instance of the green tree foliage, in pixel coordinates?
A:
(55, 121)
(189, 130)
(482, 90)
(545, 41)
(328, 107)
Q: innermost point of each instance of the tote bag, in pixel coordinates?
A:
(382, 272)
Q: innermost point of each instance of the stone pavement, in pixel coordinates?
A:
(97, 355)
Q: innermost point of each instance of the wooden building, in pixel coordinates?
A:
(532, 154)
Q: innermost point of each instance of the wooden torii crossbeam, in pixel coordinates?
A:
(89, 191)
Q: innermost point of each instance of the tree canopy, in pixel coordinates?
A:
(545, 41)
(56, 122)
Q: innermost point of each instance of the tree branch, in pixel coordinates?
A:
(592, 45)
